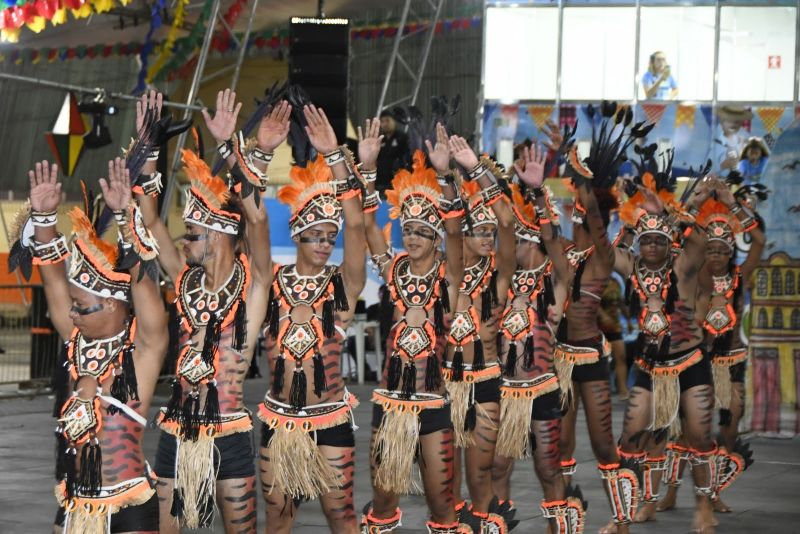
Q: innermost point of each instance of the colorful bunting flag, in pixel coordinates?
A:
(653, 112)
(770, 116)
(66, 137)
(540, 114)
(684, 115)
(707, 112)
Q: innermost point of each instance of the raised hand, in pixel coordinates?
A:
(651, 204)
(532, 170)
(369, 143)
(319, 130)
(462, 152)
(117, 189)
(224, 122)
(439, 153)
(274, 127)
(45, 187)
(553, 133)
(151, 101)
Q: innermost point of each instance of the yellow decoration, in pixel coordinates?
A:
(59, 17)
(770, 116)
(82, 12)
(540, 114)
(684, 115)
(36, 25)
(165, 50)
(102, 6)
(9, 35)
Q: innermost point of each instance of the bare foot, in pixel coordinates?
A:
(646, 512)
(668, 502)
(704, 520)
(613, 528)
(721, 507)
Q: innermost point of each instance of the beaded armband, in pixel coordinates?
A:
(451, 208)
(476, 171)
(369, 176)
(370, 202)
(44, 219)
(225, 149)
(749, 221)
(379, 261)
(148, 184)
(52, 252)
(491, 194)
(134, 234)
(243, 151)
(334, 157)
(260, 155)
(153, 155)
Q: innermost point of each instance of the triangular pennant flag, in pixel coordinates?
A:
(540, 114)
(684, 115)
(707, 112)
(770, 116)
(567, 116)
(62, 124)
(59, 146)
(653, 112)
(75, 151)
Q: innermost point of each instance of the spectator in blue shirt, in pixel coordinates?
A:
(657, 82)
(753, 160)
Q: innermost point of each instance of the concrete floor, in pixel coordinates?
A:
(767, 496)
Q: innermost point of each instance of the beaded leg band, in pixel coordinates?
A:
(707, 460)
(568, 467)
(375, 525)
(568, 515)
(451, 528)
(649, 466)
(623, 491)
(677, 456)
(731, 464)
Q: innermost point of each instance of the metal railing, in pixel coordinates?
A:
(29, 345)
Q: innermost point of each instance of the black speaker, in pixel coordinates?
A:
(319, 50)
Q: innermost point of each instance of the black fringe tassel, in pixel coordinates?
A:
(549, 292)
(409, 386)
(273, 311)
(438, 318)
(177, 503)
(278, 376)
(444, 296)
(528, 352)
(190, 417)
(478, 363)
(240, 326)
(511, 360)
(211, 407)
(90, 478)
(433, 374)
(173, 412)
(211, 339)
(328, 319)
(60, 382)
(672, 293)
(320, 384)
(563, 329)
(458, 365)
(471, 419)
(297, 393)
(489, 298)
(386, 312)
(394, 372)
(339, 295)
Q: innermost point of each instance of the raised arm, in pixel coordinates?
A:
(354, 268)
(45, 196)
(597, 228)
(506, 242)
(151, 317)
(369, 145)
(169, 257)
(454, 239)
(693, 256)
(749, 219)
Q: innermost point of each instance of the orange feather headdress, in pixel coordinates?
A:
(206, 197)
(479, 212)
(632, 214)
(93, 261)
(718, 221)
(526, 224)
(415, 194)
(311, 196)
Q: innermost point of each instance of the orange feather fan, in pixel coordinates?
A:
(103, 253)
(630, 211)
(524, 209)
(421, 179)
(213, 189)
(714, 209)
(306, 182)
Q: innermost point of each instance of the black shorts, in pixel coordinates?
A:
(140, 518)
(591, 372)
(738, 372)
(698, 374)
(613, 336)
(430, 421)
(336, 436)
(547, 407)
(488, 391)
(234, 453)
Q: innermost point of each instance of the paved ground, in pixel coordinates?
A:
(766, 497)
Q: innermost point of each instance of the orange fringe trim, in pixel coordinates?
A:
(231, 424)
(491, 371)
(307, 423)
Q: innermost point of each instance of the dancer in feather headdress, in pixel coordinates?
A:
(112, 359)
